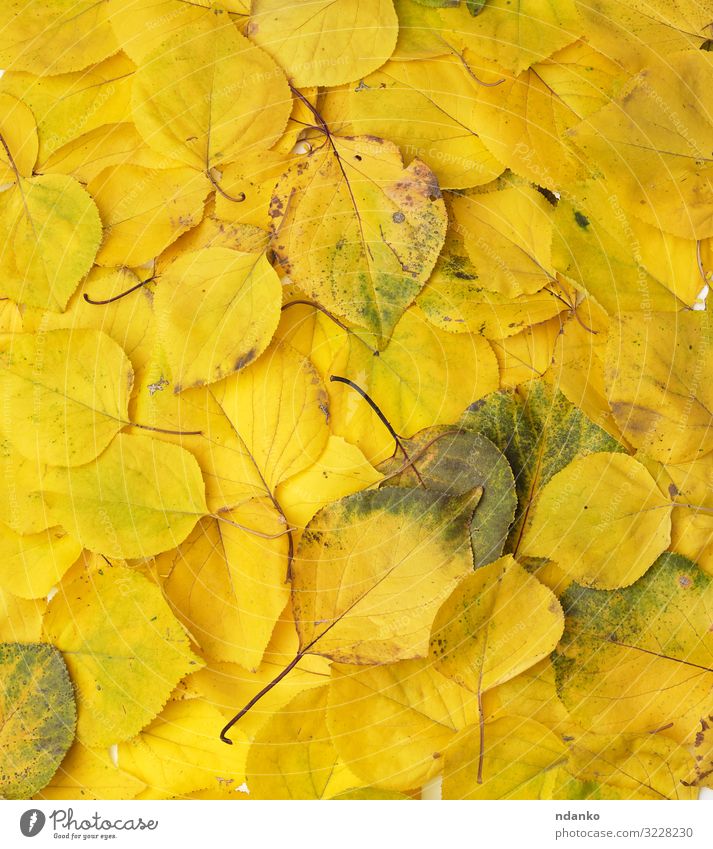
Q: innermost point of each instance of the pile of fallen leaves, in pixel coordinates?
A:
(353, 405)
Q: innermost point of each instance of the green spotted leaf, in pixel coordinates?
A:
(453, 462)
(540, 432)
(37, 717)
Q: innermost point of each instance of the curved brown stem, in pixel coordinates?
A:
(306, 303)
(469, 70)
(255, 699)
(239, 199)
(334, 378)
(322, 124)
(118, 297)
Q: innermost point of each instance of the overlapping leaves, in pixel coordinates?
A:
(352, 406)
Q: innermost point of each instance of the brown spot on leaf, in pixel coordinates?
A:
(245, 359)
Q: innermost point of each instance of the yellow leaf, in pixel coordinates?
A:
(20, 618)
(247, 424)
(11, 317)
(517, 35)
(632, 767)
(453, 461)
(692, 522)
(671, 259)
(419, 31)
(638, 660)
(637, 33)
(139, 497)
(340, 470)
(231, 476)
(37, 717)
(159, 205)
(18, 139)
(141, 26)
(124, 649)
(596, 246)
(523, 123)
(127, 320)
(251, 179)
(325, 42)
(507, 234)
(278, 408)
(661, 130)
(583, 78)
(372, 794)
(180, 752)
(494, 625)
(375, 229)
(226, 685)
(412, 380)
(293, 756)
(110, 144)
(660, 395)
(208, 94)
(227, 585)
(31, 565)
(703, 754)
(67, 106)
(579, 350)
(50, 231)
(20, 501)
(459, 297)
(602, 519)
(540, 432)
(53, 36)
(216, 311)
(527, 354)
(64, 394)
(214, 232)
(90, 774)
(509, 758)
(391, 723)
(531, 694)
(425, 108)
(384, 559)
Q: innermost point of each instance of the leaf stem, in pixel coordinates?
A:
(572, 306)
(307, 303)
(322, 124)
(252, 531)
(421, 451)
(469, 70)
(166, 430)
(256, 698)
(613, 639)
(12, 161)
(121, 295)
(698, 507)
(239, 199)
(334, 378)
